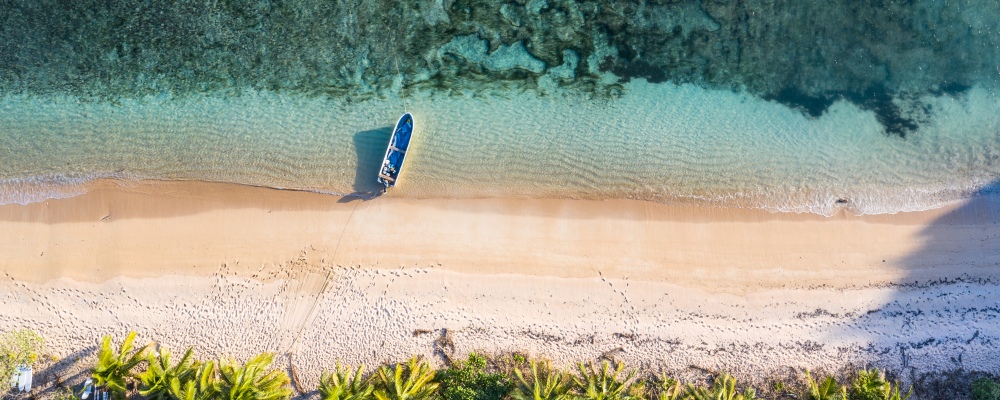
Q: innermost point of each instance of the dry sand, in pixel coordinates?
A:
(236, 270)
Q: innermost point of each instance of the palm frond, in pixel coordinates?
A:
(604, 384)
(669, 388)
(254, 380)
(413, 380)
(827, 389)
(872, 385)
(550, 384)
(724, 388)
(155, 381)
(343, 385)
(114, 368)
(202, 386)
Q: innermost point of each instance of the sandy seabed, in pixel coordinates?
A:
(236, 270)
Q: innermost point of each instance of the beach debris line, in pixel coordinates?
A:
(392, 163)
(444, 346)
(294, 375)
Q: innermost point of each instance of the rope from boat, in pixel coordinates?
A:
(401, 98)
(312, 310)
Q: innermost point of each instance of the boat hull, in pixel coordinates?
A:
(395, 153)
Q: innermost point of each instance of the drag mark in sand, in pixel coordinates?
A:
(298, 321)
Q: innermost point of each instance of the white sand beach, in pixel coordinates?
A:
(235, 270)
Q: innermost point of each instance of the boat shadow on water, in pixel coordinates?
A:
(369, 147)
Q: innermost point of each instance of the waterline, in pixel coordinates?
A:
(659, 142)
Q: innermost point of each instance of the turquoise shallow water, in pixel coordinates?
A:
(659, 142)
(782, 105)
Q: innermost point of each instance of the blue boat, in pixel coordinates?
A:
(394, 155)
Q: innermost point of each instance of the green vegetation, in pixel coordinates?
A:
(872, 385)
(546, 383)
(514, 377)
(469, 380)
(202, 386)
(669, 389)
(985, 389)
(827, 389)
(187, 379)
(606, 383)
(19, 347)
(156, 379)
(64, 394)
(413, 380)
(255, 380)
(345, 385)
(113, 368)
(724, 388)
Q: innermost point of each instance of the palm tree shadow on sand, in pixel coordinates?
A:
(939, 328)
(369, 146)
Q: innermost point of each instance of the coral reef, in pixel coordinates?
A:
(879, 55)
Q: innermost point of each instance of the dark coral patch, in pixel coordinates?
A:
(875, 98)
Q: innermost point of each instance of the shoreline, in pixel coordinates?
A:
(146, 228)
(237, 270)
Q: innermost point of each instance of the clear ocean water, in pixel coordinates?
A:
(661, 102)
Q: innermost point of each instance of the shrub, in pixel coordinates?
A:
(19, 347)
(825, 390)
(255, 380)
(723, 388)
(606, 383)
(985, 389)
(469, 380)
(114, 368)
(872, 385)
(413, 380)
(548, 384)
(344, 385)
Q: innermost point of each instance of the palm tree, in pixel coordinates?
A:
(202, 386)
(670, 389)
(413, 380)
(155, 381)
(723, 389)
(872, 385)
(825, 390)
(115, 367)
(343, 385)
(550, 384)
(255, 380)
(604, 385)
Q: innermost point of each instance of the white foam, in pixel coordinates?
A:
(36, 189)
